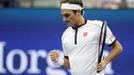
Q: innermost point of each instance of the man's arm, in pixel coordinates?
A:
(66, 63)
(116, 50)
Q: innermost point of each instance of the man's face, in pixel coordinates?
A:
(69, 17)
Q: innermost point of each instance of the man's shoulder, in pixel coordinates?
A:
(95, 22)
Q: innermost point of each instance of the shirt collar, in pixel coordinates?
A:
(80, 25)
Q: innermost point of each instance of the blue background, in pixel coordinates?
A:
(42, 29)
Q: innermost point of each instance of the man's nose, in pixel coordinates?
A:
(64, 19)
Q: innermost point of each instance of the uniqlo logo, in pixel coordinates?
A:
(85, 34)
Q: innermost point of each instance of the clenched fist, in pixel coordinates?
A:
(54, 55)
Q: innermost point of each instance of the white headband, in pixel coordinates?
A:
(71, 6)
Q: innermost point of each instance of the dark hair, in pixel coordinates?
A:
(79, 2)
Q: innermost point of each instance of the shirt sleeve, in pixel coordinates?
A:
(63, 46)
(64, 50)
(110, 38)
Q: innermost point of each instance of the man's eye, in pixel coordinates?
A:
(66, 15)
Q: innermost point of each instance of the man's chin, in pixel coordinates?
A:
(69, 25)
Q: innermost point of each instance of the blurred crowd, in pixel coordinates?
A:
(109, 4)
(92, 4)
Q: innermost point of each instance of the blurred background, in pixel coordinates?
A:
(31, 29)
(92, 4)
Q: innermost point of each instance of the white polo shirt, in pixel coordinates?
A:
(81, 46)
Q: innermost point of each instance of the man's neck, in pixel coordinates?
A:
(81, 21)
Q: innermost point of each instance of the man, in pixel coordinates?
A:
(80, 41)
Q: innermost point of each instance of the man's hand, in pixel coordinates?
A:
(54, 55)
(101, 66)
